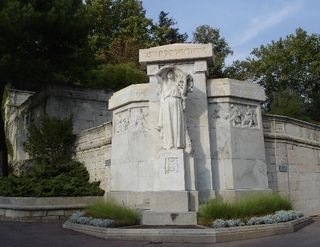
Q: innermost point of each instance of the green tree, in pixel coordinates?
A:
(165, 32)
(120, 29)
(42, 42)
(115, 76)
(288, 103)
(290, 63)
(205, 34)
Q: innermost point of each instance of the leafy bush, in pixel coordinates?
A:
(50, 144)
(244, 208)
(53, 172)
(122, 216)
(117, 76)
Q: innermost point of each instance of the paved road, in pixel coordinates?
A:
(14, 234)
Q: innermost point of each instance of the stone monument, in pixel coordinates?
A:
(178, 140)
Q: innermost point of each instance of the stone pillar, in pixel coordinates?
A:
(191, 59)
(236, 134)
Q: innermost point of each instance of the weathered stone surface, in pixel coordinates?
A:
(166, 218)
(236, 136)
(293, 160)
(130, 94)
(234, 88)
(87, 106)
(93, 149)
(175, 52)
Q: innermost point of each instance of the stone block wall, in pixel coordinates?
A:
(293, 160)
(88, 107)
(93, 148)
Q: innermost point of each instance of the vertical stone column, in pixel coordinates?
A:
(191, 59)
(236, 133)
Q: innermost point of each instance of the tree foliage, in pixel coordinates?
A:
(51, 142)
(119, 30)
(290, 63)
(289, 103)
(205, 34)
(43, 41)
(165, 31)
(109, 76)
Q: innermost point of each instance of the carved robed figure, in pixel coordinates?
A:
(174, 86)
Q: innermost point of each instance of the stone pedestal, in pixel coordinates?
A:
(170, 170)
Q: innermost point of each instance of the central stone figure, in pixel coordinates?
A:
(174, 86)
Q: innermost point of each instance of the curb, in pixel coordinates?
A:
(207, 235)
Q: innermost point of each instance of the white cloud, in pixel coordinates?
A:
(260, 24)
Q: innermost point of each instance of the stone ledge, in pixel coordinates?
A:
(131, 94)
(47, 201)
(39, 207)
(226, 87)
(42, 209)
(207, 235)
(293, 139)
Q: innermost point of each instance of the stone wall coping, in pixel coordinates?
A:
(43, 207)
(226, 87)
(176, 52)
(21, 91)
(286, 119)
(294, 140)
(46, 201)
(130, 94)
(87, 131)
(206, 235)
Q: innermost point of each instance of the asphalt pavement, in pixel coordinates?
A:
(19, 234)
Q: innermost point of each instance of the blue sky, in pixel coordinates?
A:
(245, 24)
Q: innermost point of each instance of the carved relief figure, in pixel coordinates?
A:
(243, 116)
(235, 116)
(122, 122)
(250, 118)
(173, 90)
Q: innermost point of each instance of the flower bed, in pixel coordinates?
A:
(106, 214)
(80, 218)
(278, 217)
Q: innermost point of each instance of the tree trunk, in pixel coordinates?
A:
(3, 147)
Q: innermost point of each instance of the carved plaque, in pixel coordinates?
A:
(171, 164)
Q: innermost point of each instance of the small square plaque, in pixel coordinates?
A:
(283, 168)
(171, 164)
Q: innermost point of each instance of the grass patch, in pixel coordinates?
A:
(122, 216)
(244, 208)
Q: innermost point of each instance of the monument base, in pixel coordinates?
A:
(158, 201)
(165, 218)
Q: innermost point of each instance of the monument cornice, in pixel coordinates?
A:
(176, 52)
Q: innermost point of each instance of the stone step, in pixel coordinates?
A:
(169, 218)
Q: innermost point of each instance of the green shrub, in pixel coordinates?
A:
(244, 208)
(122, 216)
(115, 76)
(50, 144)
(53, 172)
